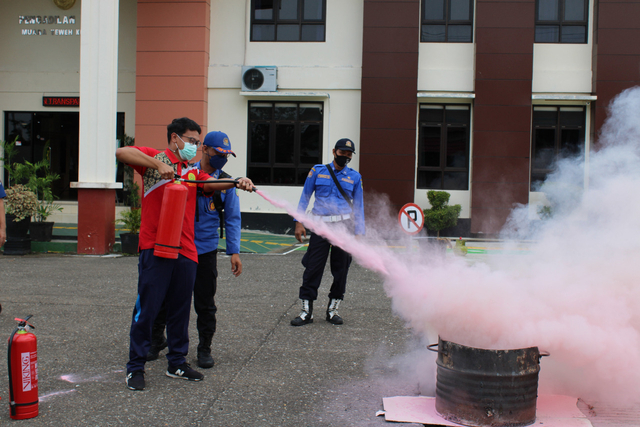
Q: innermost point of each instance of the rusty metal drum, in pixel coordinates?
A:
(479, 387)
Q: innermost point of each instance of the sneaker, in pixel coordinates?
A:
(205, 360)
(185, 372)
(154, 350)
(135, 380)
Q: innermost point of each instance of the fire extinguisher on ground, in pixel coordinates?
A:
(23, 371)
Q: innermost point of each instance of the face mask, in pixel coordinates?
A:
(217, 162)
(189, 151)
(342, 160)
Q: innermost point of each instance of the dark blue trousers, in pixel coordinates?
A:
(314, 261)
(160, 278)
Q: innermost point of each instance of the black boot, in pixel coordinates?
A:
(158, 342)
(332, 312)
(204, 353)
(306, 315)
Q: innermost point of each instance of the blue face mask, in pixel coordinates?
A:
(189, 151)
(217, 162)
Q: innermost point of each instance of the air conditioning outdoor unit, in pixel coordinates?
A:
(259, 78)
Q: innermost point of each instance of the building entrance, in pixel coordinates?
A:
(52, 136)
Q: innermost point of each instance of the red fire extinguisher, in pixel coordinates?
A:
(174, 203)
(23, 371)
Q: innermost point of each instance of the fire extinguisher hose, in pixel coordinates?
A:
(12, 403)
(222, 181)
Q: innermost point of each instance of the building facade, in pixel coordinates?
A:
(477, 98)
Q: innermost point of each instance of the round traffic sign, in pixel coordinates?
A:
(411, 218)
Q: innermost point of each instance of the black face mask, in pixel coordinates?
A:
(342, 160)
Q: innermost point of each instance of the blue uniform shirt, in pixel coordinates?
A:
(2, 193)
(206, 229)
(329, 201)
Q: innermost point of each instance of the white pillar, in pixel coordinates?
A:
(98, 94)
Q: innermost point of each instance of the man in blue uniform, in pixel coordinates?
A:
(338, 199)
(222, 210)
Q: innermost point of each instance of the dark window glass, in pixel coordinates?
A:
(313, 10)
(573, 34)
(264, 32)
(547, 34)
(311, 33)
(288, 9)
(575, 10)
(434, 9)
(447, 21)
(548, 10)
(460, 10)
(288, 20)
(285, 141)
(263, 9)
(443, 148)
(558, 132)
(561, 21)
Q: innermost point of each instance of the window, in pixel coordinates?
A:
(447, 21)
(443, 148)
(288, 20)
(285, 141)
(561, 21)
(558, 132)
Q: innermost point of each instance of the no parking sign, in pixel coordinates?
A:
(411, 218)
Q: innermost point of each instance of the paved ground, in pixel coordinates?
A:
(267, 372)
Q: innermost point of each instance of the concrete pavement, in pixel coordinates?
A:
(267, 372)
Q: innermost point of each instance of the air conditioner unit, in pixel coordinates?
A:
(259, 78)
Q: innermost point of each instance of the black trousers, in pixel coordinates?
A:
(204, 292)
(314, 261)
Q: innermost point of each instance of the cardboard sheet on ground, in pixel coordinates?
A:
(551, 411)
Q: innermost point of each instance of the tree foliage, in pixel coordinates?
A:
(440, 215)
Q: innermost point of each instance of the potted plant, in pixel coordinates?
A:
(440, 215)
(39, 179)
(20, 205)
(131, 219)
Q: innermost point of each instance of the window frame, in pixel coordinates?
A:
(300, 169)
(558, 144)
(447, 21)
(444, 126)
(300, 21)
(561, 23)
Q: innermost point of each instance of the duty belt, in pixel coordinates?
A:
(332, 218)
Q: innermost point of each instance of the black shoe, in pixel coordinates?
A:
(306, 315)
(332, 312)
(184, 372)
(205, 360)
(135, 380)
(299, 321)
(154, 351)
(335, 319)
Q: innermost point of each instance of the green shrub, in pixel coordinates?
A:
(440, 215)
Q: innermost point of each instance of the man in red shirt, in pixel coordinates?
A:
(160, 278)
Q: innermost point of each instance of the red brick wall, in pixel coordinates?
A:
(502, 111)
(172, 60)
(389, 86)
(618, 52)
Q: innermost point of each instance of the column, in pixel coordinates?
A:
(98, 95)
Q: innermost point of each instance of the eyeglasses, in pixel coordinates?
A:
(191, 140)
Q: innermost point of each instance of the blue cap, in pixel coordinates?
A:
(345, 144)
(219, 141)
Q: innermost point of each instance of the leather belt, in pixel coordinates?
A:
(333, 218)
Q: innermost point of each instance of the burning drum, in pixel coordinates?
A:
(478, 387)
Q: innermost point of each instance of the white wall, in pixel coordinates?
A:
(330, 70)
(446, 67)
(564, 68)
